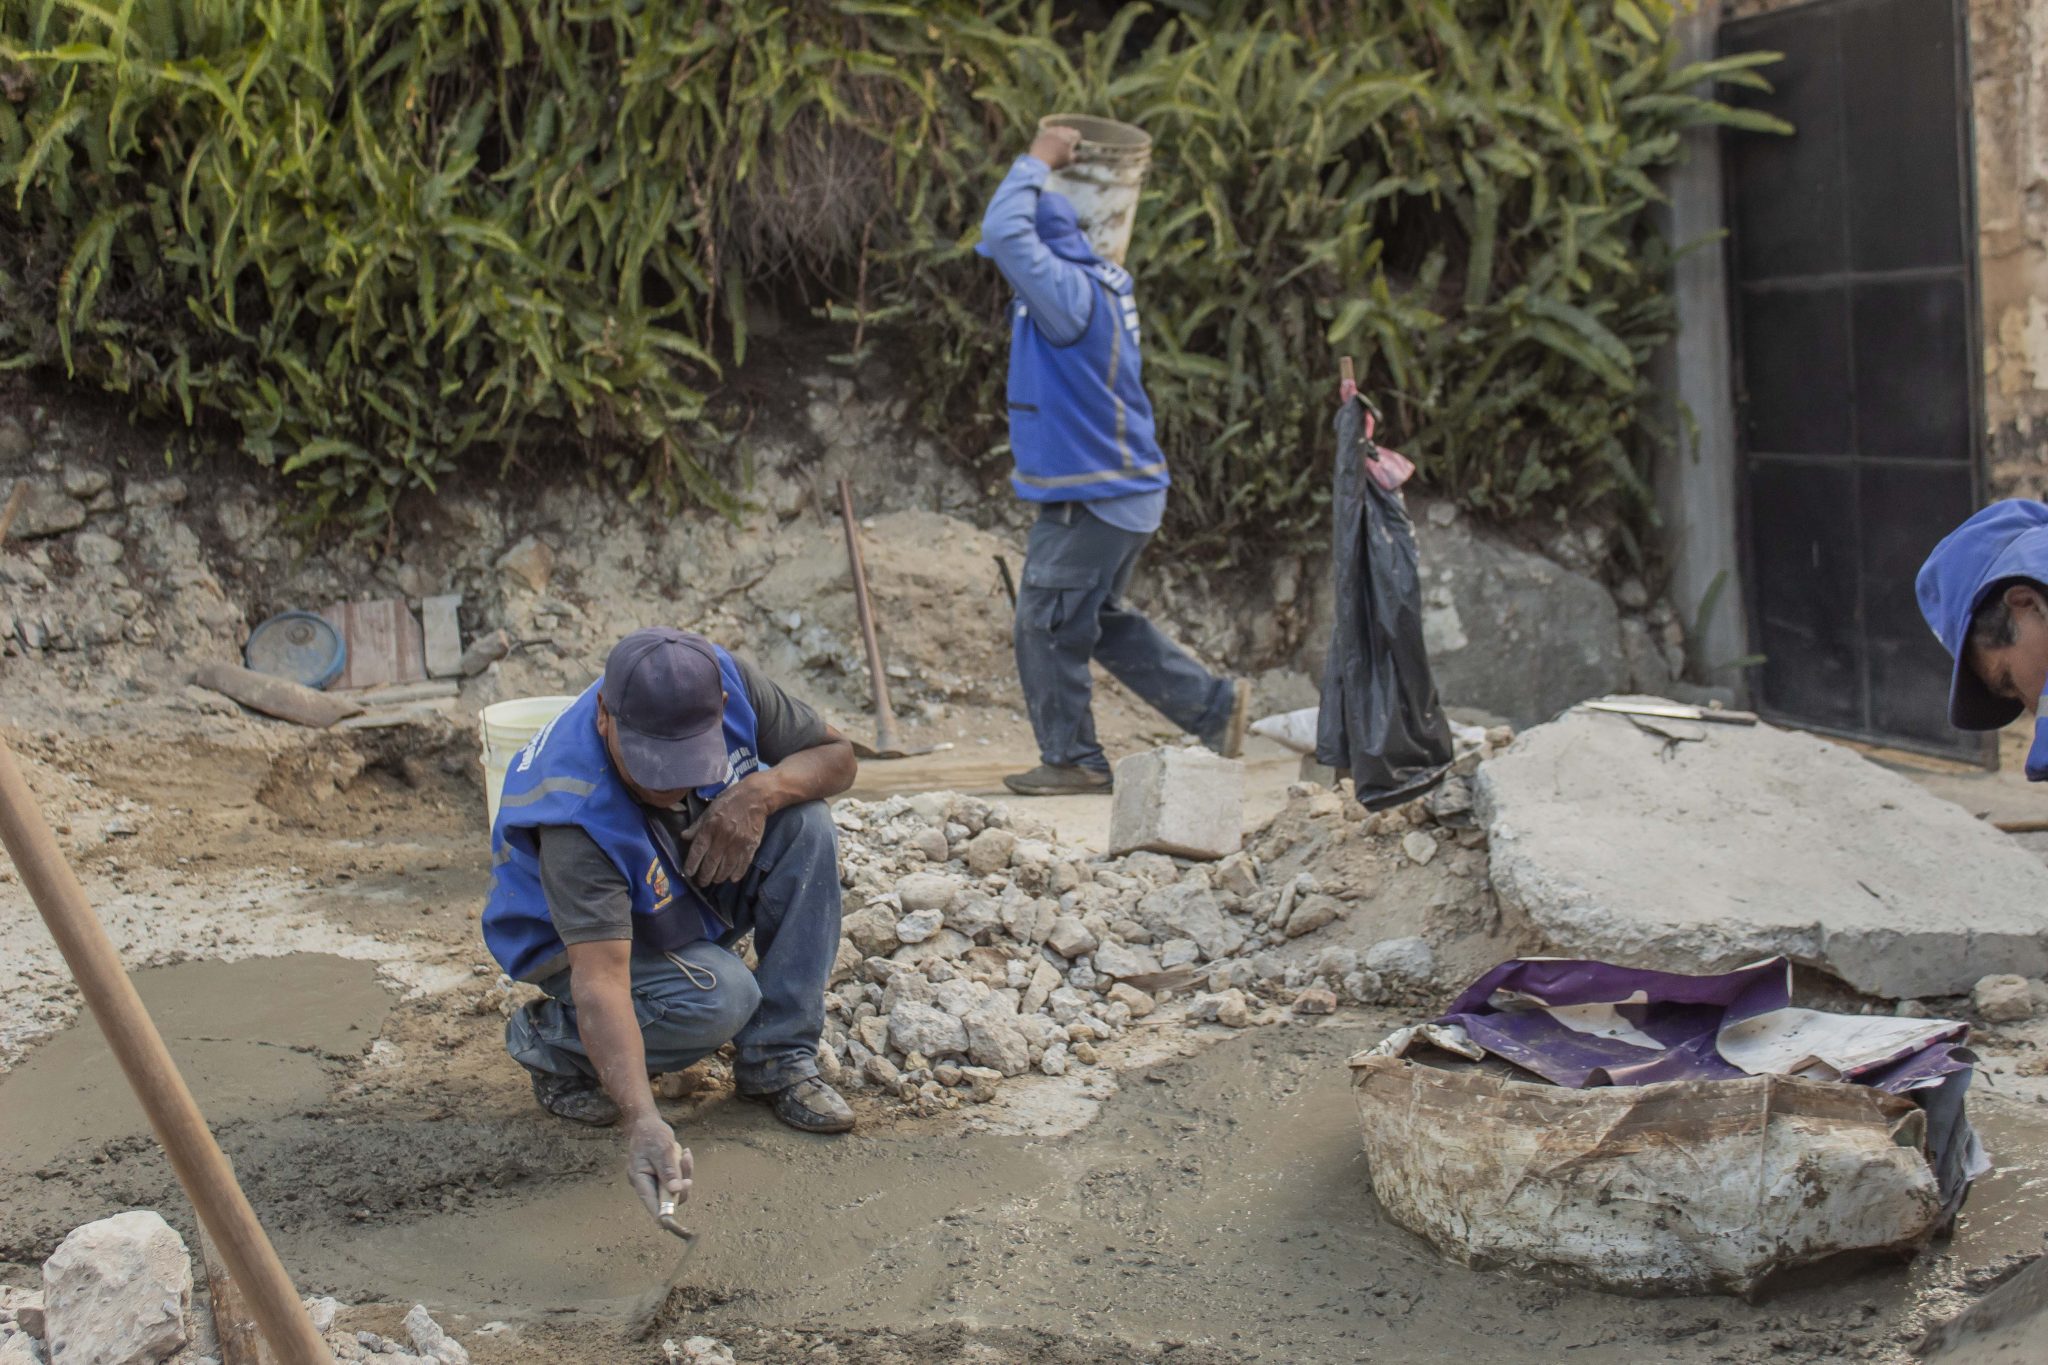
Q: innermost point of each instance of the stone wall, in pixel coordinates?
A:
(2009, 68)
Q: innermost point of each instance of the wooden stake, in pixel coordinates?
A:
(200, 1165)
(886, 743)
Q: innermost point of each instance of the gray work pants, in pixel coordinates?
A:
(1070, 609)
(789, 899)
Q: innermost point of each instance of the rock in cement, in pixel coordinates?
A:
(116, 1292)
(1702, 856)
(1187, 802)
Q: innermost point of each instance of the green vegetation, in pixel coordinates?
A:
(382, 238)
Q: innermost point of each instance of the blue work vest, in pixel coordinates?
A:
(565, 776)
(1080, 423)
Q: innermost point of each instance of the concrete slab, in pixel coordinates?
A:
(1621, 845)
(1187, 802)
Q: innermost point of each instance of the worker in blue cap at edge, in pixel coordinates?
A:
(1984, 591)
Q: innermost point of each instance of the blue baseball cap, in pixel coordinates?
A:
(666, 699)
(2006, 540)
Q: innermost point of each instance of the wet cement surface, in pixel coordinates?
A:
(1217, 1200)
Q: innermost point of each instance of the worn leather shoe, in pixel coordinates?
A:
(575, 1098)
(810, 1106)
(1051, 779)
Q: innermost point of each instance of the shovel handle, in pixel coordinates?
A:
(885, 717)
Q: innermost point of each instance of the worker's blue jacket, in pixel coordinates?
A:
(565, 776)
(1081, 427)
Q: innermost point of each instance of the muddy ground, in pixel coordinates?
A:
(313, 904)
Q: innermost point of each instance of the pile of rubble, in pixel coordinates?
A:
(119, 1290)
(978, 948)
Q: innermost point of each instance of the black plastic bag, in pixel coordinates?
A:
(1380, 719)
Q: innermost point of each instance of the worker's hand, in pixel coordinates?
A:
(724, 838)
(658, 1167)
(1055, 146)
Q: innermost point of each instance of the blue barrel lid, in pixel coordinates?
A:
(298, 645)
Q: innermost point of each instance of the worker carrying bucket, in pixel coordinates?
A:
(1082, 438)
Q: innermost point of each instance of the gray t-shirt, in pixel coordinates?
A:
(589, 898)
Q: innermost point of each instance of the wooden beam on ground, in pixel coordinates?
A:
(278, 697)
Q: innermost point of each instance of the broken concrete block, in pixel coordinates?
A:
(440, 620)
(2003, 999)
(1187, 802)
(1752, 842)
(116, 1292)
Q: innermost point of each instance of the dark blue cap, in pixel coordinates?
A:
(2006, 540)
(666, 699)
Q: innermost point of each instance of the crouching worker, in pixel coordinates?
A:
(1984, 591)
(678, 804)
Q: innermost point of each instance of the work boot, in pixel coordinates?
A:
(1058, 779)
(1230, 742)
(575, 1098)
(809, 1106)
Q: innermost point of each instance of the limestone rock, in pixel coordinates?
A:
(530, 563)
(1313, 912)
(1131, 998)
(1054, 1062)
(998, 1043)
(932, 844)
(1410, 961)
(918, 926)
(1190, 910)
(1419, 847)
(1237, 875)
(1512, 633)
(23, 1308)
(926, 891)
(146, 493)
(927, 1029)
(1114, 959)
(2003, 999)
(1751, 842)
(46, 511)
(96, 550)
(1188, 802)
(989, 851)
(1316, 1000)
(872, 930)
(430, 1341)
(1070, 938)
(975, 916)
(1045, 979)
(116, 1292)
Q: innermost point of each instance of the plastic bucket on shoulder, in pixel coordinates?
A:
(1105, 179)
(507, 726)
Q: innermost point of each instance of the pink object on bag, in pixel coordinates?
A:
(1388, 468)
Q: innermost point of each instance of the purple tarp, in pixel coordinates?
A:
(1674, 1025)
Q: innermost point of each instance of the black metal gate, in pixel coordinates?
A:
(1858, 392)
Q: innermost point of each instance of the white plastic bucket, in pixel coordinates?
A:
(1104, 179)
(507, 726)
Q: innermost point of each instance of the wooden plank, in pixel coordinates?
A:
(276, 696)
(399, 693)
(440, 618)
(385, 644)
